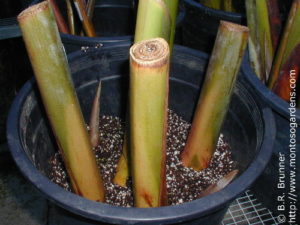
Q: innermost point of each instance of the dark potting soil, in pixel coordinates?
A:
(183, 184)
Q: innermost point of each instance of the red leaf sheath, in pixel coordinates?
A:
(292, 65)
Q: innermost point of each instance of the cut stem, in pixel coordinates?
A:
(163, 14)
(215, 96)
(149, 76)
(287, 59)
(95, 120)
(53, 77)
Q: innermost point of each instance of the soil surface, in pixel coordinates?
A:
(183, 184)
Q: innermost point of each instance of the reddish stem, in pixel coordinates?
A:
(275, 21)
(290, 70)
(61, 23)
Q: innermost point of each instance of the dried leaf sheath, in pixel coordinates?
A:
(222, 183)
(52, 73)
(289, 73)
(275, 22)
(215, 95)
(90, 8)
(148, 96)
(86, 22)
(95, 120)
(71, 19)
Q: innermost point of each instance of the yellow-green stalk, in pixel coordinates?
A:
(264, 36)
(153, 20)
(52, 73)
(255, 62)
(172, 6)
(122, 172)
(287, 61)
(215, 95)
(148, 96)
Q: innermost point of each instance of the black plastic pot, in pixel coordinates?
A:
(249, 128)
(9, 26)
(266, 188)
(114, 22)
(201, 24)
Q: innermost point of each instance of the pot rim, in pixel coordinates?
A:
(219, 13)
(116, 214)
(69, 38)
(276, 103)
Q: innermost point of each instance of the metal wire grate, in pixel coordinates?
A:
(247, 210)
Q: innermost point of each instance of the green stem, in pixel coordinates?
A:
(261, 45)
(52, 74)
(253, 42)
(163, 13)
(152, 12)
(172, 5)
(264, 37)
(215, 95)
(149, 77)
